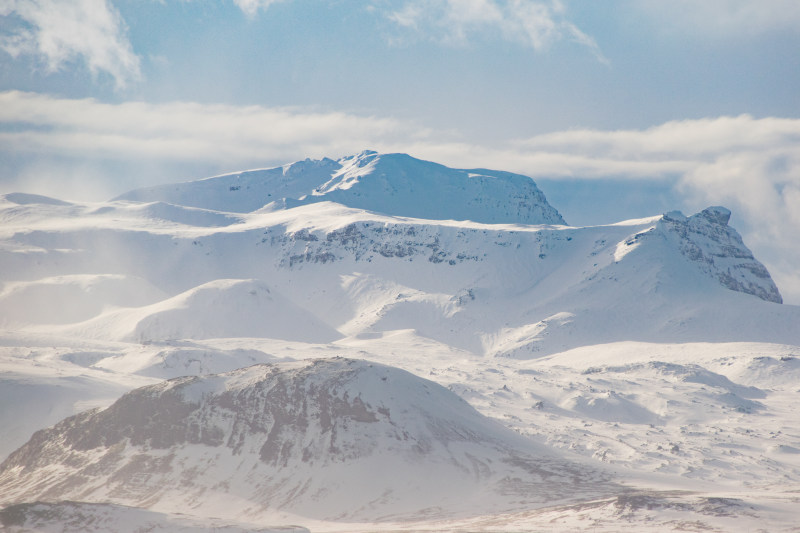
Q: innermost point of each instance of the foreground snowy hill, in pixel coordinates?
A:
(334, 438)
(655, 350)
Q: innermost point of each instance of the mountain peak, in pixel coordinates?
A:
(717, 249)
(401, 185)
(716, 215)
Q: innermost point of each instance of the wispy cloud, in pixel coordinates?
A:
(251, 7)
(533, 23)
(751, 165)
(58, 33)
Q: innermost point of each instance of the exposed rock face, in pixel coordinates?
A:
(365, 241)
(391, 184)
(283, 437)
(717, 249)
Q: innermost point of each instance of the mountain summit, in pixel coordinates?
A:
(391, 184)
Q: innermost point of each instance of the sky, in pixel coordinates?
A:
(618, 109)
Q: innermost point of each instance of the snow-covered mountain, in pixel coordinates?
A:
(391, 184)
(333, 438)
(639, 349)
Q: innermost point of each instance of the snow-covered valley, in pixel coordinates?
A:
(442, 353)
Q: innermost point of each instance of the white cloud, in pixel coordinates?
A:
(692, 150)
(183, 131)
(58, 32)
(251, 7)
(750, 165)
(533, 23)
(695, 141)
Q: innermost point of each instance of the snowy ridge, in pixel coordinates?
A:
(286, 434)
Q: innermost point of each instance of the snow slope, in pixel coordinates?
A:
(72, 298)
(40, 384)
(220, 308)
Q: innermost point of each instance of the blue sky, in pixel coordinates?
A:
(618, 109)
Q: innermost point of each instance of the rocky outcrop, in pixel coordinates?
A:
(717, 249)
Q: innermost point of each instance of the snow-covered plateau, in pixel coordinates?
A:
(381, 343)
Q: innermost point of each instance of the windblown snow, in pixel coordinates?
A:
(382, 343)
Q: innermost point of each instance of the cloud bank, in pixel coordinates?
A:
(220, 134)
